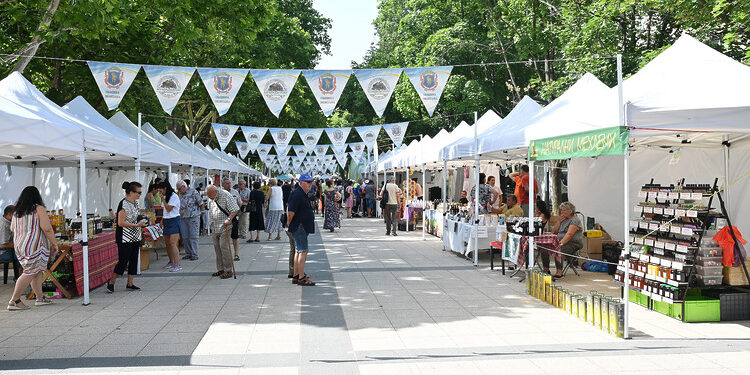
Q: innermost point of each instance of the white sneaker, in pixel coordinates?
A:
(175, 268)
(169, 265)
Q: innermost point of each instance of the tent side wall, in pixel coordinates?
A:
(595, 185)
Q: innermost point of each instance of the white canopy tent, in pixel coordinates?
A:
(489, 120)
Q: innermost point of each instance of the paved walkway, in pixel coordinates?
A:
(383, 305)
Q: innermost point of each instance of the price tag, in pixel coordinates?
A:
(638, 240)
(648, 210)
(669, 211)
(692, 213)
(675, 229)
(658, 210)
(678, 265)
(659, 244)
(664, 228)
(663, 195)
(634, 223)
(666, 262)
(642, 194)
(653, 226)
(684, 195)
(687, 231)
(643, 225)
(482, 232)
(674, 195)
(681, 248)
(638, 208)
(648, 242)
(670, 246)
(679, 213)
(696, 196)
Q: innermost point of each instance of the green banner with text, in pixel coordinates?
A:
(607, 141)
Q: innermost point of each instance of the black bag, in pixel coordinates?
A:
(384, 200)
(611, 253)
(402, 225)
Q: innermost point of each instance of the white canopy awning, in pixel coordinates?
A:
(153, 152)
(488, 120)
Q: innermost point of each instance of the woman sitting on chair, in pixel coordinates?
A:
(570, 235)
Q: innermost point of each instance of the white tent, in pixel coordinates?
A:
(153, 152)
(488, 120)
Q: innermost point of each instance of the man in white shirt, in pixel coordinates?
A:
(244, 216)
(391, 206)
(226, 184)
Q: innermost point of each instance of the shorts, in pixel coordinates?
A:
(300, 239)
(172, 226)
(371, 204)
(235, 229)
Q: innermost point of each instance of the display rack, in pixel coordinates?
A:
(668, 253)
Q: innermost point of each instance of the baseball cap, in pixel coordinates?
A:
(305, 177)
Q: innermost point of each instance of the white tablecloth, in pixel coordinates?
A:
(458, 236)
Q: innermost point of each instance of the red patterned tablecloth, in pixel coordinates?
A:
(548, 241)
(102, 260)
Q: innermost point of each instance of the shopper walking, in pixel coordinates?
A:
(128, 235)
(226, 184)
(301, 223)
(370, 190)
(286, 189)
(190, 215)
(171, 225)
(244, 214)
(223, 209)
(331, 209)
(33, 240)
(391, 194)
(349, 199)
(275, 209)
(257, 198)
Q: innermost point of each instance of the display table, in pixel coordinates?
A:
(459, 236)
(415, 214)
(102, 260)
(516, 248)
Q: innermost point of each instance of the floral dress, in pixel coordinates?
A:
(332, 218)
(485, 198)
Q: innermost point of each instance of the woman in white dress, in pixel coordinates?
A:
(275, 209)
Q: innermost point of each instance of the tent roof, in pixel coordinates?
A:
(100, 144)
(26, 135)
(152, 151)
(180, 155)
(689, 86)
(459, 135)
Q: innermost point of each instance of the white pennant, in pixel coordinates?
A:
(224, 133)
(338, 135)
(369, 134)
(429, 83)
(321, 150)
(275, 85)
(222, 85)
(263, 151)
(281, 136)
(253, 136)
(338, 149)
(341, 158)
(396, 132)
(357, 148)
(169, 83)
(300, 150)
(281, 151)
(327, 86)
(113, 80)
(243, 148)
(310, 137)
(378, 85)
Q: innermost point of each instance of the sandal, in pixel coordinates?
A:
(236, 258)
(13, 305)
(305, 281)
(43, 301)
(218, 273)
(226, 275)
(257, 240)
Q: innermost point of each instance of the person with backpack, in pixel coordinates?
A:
(390, 196)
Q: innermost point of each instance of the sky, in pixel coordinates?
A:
(351, 31)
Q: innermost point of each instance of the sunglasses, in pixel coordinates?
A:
(138, 192)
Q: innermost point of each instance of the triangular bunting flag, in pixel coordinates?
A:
(327, 86)
(338, 135)
(222, 85)
(321, 150)
(113, 80)
(281, 151)
(275, 85)
(369, 134)
(169, 83)
(253, 136)
(429, 83)
(341, 158)
(378, 85)
(338, 149)
(396, 132)
(263, 151)
(357, 148)
(310, 137)
(281, 136)
(243, 148)
(224, 133)
(300, 150)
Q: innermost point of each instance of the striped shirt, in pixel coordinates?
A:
(218, 217)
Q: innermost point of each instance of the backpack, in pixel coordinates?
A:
(384, 201)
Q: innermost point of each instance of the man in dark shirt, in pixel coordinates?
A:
(301, 223)
(370, 196)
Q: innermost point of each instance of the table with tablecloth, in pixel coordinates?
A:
(102, 260)
(459, 236)
(544, 242)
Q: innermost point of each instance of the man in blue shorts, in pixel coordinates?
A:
(301, 223)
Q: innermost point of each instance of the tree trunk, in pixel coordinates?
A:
(555, 181)
(30, 50)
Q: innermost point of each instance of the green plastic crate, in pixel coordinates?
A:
(702, 309)
(677, 311)
(639, 298)
(663, 307)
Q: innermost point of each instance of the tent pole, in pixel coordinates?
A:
(192, 167)
(169, 173)
(407, 186)
(476, 193)
(445, 195)
(532, 199)
(138, 149)
(84, 228)
(626, 198)
(726, 169)
(33, 173)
